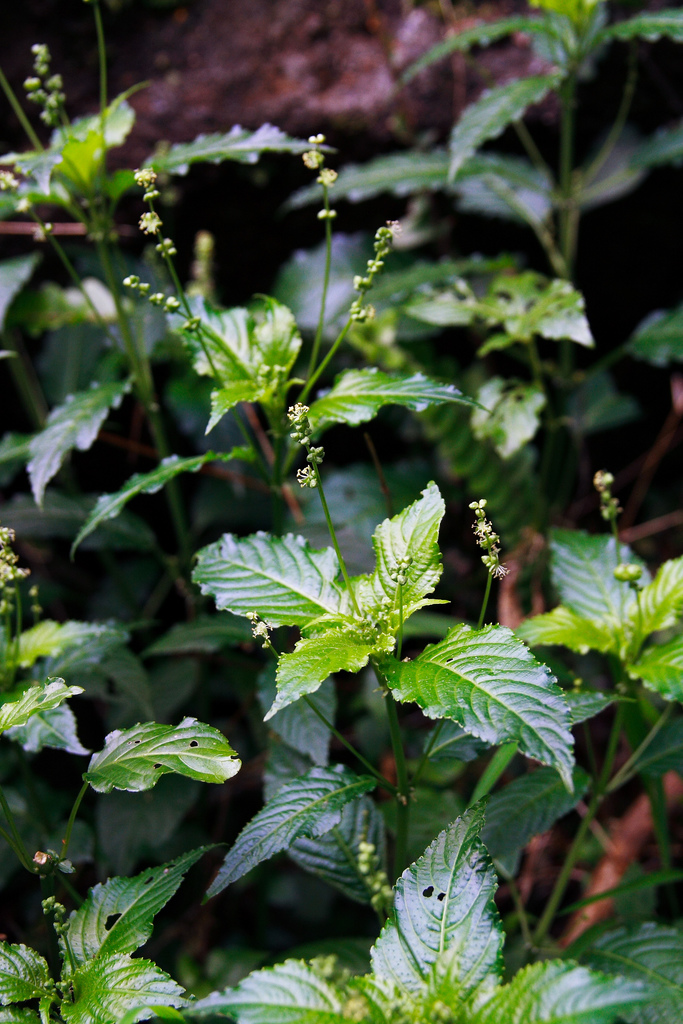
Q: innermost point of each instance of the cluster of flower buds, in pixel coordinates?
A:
(43, 88)
(314, 159)
(629, 572)
(488, 539)
(260, 630)
(399, 574)
(51, 908)
(298, 419)
(374, 876)
(10, 572)
(8, 182)
(383, 240)
(609, 506)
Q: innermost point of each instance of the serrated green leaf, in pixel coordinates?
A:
(24, 974)
(239, 144)
(289, 993)
(444, 927)
(300, 727)
(109, 986)
(660, 603)
(207, 634)
(14, 274)
(39, 165)
(526, 807)
(55, 728)
(75, 424)
(117, 916)
(488, 682)
(556, 992)
(19, 1015)
(510, 415)
(313, 660)
(491, 114)
(62, 516)
(20, 704)
(659, 338)
(664, 753)
(583, 706)
(119, 118)
(282, 577)
(134, 759)
(401, 174)
(652, 954)
(650, 25)
(109, 506)
(309, 806)
(661, 669)
(358, 395)
(566, 628)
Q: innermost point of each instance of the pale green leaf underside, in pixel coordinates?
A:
(110, 986)
(75, 424)
(308, 806)
(55, 728)
(239, 144)
(566, 628)
(489, 683)
(135, 759)
(282, 578)
(313, 660)
(21, 703)
(300, 727)
(510, 415)
(24, 974)
(582, 569)
(51, 639)
(661, 669)
(445, 927)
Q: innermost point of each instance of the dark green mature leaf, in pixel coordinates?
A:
(19, 1015)
(109, 506)
(444, 927)
(24, 974)
(489, 683)
(479, 35)
(14, 274)
(526, 807)
(314, 659)
(309, 806)
(289, 993)
(401, 174)
(661, 669)
(207, 634)
(652, 954)
(117, 916)
(650, 25)
(14, 454)
(239, 144)
(135, 759)
(110, 986)
(75, 424)
(24, 701)
(491, 114)
(557, 992)
(659, 338)
(664, 147)
(358, 395)
(300, 727)
(282, 577)
(566, 628)
(55, 728)
(665, 751)
(62, 516)
(499, 185)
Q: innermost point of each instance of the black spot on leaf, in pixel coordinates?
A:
(111, 921)
(428, 891)
(441, 896)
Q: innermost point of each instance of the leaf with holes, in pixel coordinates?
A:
(117, 916)
(491, 114)
(661, 669)
(527, 305)
(565, 628)
(20, 704)
(75, 424)
(308, 806)
(106, 988)
(24, 974)
(282, 578)
(488, 682)
(314, 659)
(358, 395)
(444, 928)
(238, 144)
(135, 759)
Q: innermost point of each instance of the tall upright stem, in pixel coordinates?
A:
(18, 110)
(403, 794)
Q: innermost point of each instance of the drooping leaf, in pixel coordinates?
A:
(489, 683)
(108, 987)
(661, 669)
(286, 581)
(566, 628)
(510, 415)
(650, 25)
(659, 338)
(117, 916)
(444, 927)
(652, 954)
(239, 144)
(289, 993)
(18, 706)
(55, 728)
(75, 424)
(109, 506)
(665, 752)
(24, 974)
(597, 405)
(207, 634)
(134, 759)
(14, 273)
(300, 727)
(558, 992)
(309, 806)
(526, 807)
(313, 660)
(491, 114)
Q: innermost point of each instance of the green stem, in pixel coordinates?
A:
(428, 749)
(18, 110)
(521, 912)
(381, 780)
(567, 211)
(399, 638)
(620, 120)
(18, 842)
(630, 767)
(324, 364)
(25, 380)
(485, 602)
(326, 280)
(333, 536)
(493, 771)
(403, 794)
(70, 823)
(102, 58)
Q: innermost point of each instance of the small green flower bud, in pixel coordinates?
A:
(31, 84)
(157, 299)
(628, 572)
(172, 305)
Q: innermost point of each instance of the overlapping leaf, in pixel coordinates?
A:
(300, 727)
(582, 570)
(238, 144)
(401, 174)
(24, 974)
(659, 338)
(510, 415)
(54, 728)
(567, 628)
(314, 659)
(110, 986)
(650, 25)
(661, 602)
(19, 704)
(661, 669)
(665, 752)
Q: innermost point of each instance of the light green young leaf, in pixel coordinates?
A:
(661, 602)
(14, 273)
(52, 639)
(653, 955)
(659, 338)
(227, 397)
(119, 118)
(526, 807)
(650, 25)
(314, 659)
(661, 669)
(75, 424)
(109, 506)
(557, 992)
(489, 683)
(566, 628)
(135, 759)
(287, 582)
(23, 702)
(358, 395)
(38, 165)
(289, 993)
(491, 114)
(117, 916)
(239, 144)
(510, 415)
(309, 806)
(55, 728)
(445, 927)
(24, 974)
(109, 986)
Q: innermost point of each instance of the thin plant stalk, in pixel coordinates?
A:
(19, 111)
(17, 843)
(403, 795)
(493, 771)
(72, 817)
(325, 362)
(422, 763)
(326, 281)
(381, 780)
(333, 536)
(484, 603)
